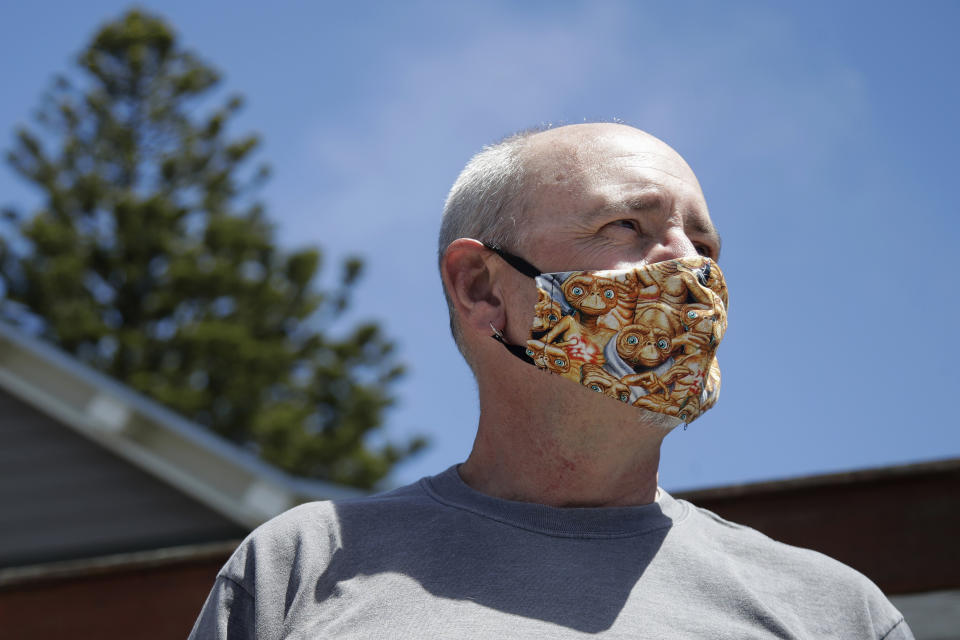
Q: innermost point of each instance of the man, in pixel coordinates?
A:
(554, 527)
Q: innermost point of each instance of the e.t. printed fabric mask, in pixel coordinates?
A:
(646, 336)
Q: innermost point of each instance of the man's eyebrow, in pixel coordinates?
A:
(647, 199)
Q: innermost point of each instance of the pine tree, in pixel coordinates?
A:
(152, 260)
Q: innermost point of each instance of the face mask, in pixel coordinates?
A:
(645, 336)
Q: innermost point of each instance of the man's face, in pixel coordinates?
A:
(605, 197)
(609, 196)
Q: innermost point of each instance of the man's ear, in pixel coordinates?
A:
(470, 284)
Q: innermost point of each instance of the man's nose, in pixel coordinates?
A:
(670, 245)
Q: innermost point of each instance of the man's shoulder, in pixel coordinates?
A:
(806, 582)
(755, 548)
(744, 542)
(306, 537)
(312, 517)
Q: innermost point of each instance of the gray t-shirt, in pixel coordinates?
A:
(437, 559)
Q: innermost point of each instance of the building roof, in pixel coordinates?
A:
(215, 472)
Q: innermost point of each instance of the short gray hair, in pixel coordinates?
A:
(486, 203)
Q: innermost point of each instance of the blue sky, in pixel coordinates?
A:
(824, 136)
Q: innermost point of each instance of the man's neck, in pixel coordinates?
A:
(565, 456)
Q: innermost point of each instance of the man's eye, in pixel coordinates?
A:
(703, 250)
(626, 224)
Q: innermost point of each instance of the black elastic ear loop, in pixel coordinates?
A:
(516, 262)
(515, 349)
(526, 269)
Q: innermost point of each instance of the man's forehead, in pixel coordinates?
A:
(594, 170)
(575, 152)
(609, 175)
